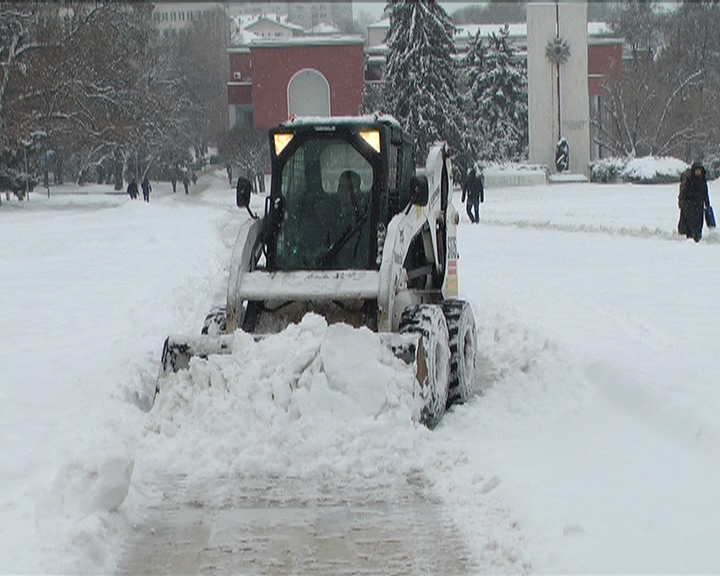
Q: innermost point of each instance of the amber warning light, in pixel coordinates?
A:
(281, 140)
(372, 137)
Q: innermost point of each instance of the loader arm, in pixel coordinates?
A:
(245, 256)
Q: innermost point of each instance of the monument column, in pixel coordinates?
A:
(559, 106)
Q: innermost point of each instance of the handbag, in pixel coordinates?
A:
(709, 217)
(709, 214)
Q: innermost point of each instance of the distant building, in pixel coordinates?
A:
(308, 15)
(273, 79)
(171, 18)
(257, 8)
(268, 27)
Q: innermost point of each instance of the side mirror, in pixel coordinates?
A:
(242, 193)
(419, 190)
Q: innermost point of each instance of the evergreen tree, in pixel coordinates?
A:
(473, 71)
(499, 95)
(420, 74)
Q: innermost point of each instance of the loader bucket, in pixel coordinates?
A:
(178, 350)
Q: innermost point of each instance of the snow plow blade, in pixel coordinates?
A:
(178, 350)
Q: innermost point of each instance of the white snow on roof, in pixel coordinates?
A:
(514, 30)
(470, 30)
(325, 28)
(272, 19)
(339, 39)
(369, 118)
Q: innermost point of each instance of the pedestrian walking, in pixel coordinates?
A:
(146, 188)
(228, 168)
(132, 189)
(194, 178)
(186, 182)
(692, 201)
(474, 191)
(174, 182)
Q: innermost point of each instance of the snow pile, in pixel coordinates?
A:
(99, 482)
(313, 398)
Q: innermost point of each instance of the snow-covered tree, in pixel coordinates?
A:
(472, 69)
(498, 94)
(420, 74)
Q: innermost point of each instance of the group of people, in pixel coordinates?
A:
(132, 189)
(693, 199)
(185, 181)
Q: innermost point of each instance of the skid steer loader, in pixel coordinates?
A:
(354, 232)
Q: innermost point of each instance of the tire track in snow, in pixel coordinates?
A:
(711, 237)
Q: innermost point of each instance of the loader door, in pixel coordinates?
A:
(327, 189)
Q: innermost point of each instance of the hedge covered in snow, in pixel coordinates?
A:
(647, 170)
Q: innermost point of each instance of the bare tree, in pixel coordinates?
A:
(666, 100)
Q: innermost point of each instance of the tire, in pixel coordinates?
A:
(215, 322)
(429, 322)
(463, 350)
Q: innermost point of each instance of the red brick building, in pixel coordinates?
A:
(307, 76)
(605, 63)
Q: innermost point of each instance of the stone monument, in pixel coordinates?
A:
(558, 92)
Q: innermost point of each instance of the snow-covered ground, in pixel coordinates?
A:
(593, 445)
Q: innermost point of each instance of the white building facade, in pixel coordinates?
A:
(170, 18)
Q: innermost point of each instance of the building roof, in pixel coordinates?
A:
(325, 40)
(278, 21)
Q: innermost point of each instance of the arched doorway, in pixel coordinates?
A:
(308, 94)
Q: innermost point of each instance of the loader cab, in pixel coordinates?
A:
(336, 183)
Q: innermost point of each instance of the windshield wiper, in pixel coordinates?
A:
(338, 245)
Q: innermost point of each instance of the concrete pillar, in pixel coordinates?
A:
(545, 20)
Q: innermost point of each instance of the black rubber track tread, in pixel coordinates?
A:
(420, 319)
(458, 389)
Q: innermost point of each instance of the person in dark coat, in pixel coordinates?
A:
(474, 190)
(146, 188)
(132, 189)
(186, 182)
(174, 183)
(692, 200)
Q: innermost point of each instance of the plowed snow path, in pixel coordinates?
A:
(270, 525)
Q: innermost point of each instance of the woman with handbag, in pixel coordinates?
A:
(692, 201)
